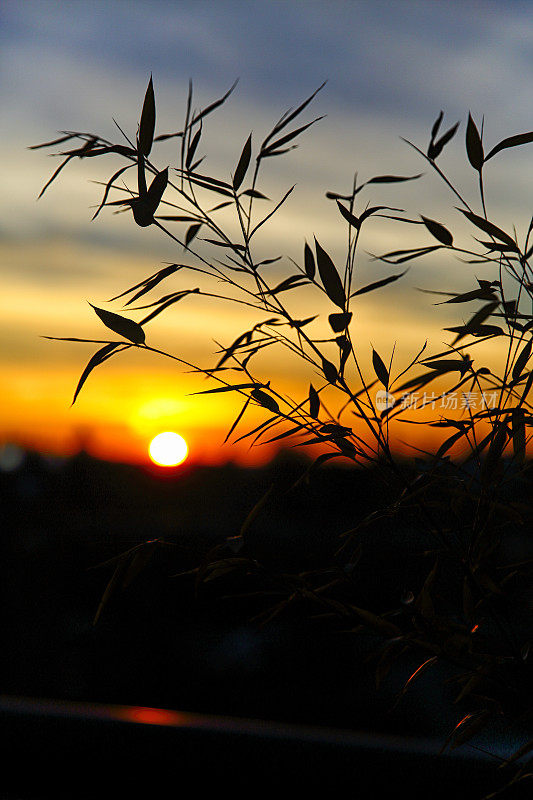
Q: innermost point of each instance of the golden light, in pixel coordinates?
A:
(168, 449)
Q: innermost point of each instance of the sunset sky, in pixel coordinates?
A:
(390, 66)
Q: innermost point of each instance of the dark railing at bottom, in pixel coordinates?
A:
(53, 749)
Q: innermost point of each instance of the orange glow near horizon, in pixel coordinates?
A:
(127, 402)
(151, 716)
(117, 415)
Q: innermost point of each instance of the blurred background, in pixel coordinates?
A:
(391, 67)
(77, 484)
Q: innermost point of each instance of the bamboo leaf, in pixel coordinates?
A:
(209, 180)
(476, 321)
(437, 230)
(147, 124)
(467, 728)
(235, 388)
(314, 402)
(254, 193)
(237, 420)
(191, 233)
(54, 176)
(156, 277)
(243, 164)
(475, 294)
(435, 148)
(98, 358)
(330, 371)
(436, 125)
(380, 369)
(330, 277)
(228, 351)
(337, 196)
(498, 440)
(265, 400)
(108, 187)
(207, 184)
(393, 178)
(419, 381)
(180, 217)
(522, 360)
(481, 330)
(232, 245)
(192, 147)
(402, 256)
(210, 108)
(348, 216)
(374, 209)
(53, 142)
(345, 349)
(489, 228)
(378, 284)
(167, 301)
(273, 148)
(497, 247)
(309, 262)
(448, 444)
(474, 146)
(122, 325)
(416, 674)
(156, 190)
(271, 214)
(289, 116)
(270, 153)
(289, 283)
(511, 141)
(449, 365)
(339, 322)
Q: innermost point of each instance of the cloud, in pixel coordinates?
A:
(391, 68)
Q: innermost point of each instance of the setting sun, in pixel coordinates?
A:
(168, 449)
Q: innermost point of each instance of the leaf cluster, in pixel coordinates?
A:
(461, 502)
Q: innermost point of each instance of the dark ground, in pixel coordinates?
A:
(159, 645)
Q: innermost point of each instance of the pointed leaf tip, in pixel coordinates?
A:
(309, 262)
(435, 148)
(314, 402)
(436, 125)
(242, 166)
(147, 123)
(100, 356)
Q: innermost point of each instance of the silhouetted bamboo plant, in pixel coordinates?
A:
(471, 516)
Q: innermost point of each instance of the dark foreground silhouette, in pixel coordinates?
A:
(159, 643)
